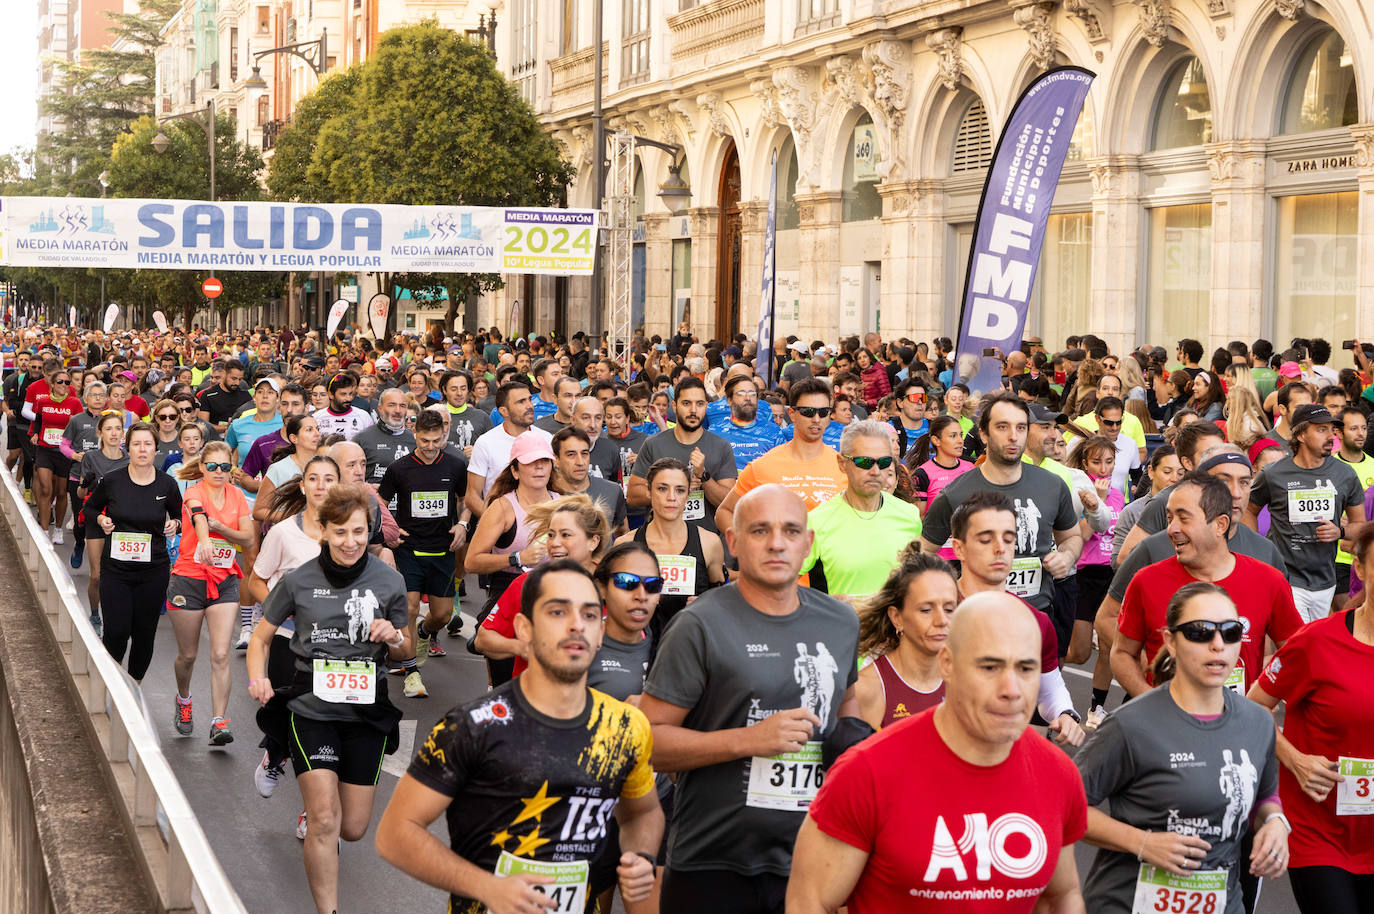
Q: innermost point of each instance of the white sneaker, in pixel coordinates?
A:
(300, 827)
(1095, 718)
(266, 777)
(244, 634)
(57, 536)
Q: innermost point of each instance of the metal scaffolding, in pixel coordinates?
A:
(620, 198)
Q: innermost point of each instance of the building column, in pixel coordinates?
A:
(1364, 226)
(658, 273)
(705, 222)
(1238, 265)
(1117, 247)
(819, 238)
(753, 226)
(928, 264)
(897, 305)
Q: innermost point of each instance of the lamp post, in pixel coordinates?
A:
(486, 27)
(315, 53)
(161, 142)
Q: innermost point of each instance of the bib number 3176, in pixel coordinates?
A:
(788, 781)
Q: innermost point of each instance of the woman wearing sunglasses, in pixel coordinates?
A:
(573, 527)
(1188, 771)
(50, 413)
(216, 525)
(692, 558)
(1326, 749)
(166, 422)
(303, 442)
(137, 508)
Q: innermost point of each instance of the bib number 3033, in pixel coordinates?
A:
(1311, 506)
(1159, 891)
(340, 682)
(788, 781)
(1355, 795)
(568, 891)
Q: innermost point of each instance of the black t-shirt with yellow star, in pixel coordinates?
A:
(534, 786)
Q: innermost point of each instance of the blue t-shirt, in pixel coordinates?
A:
(717, 413)
(244, 430)
(830, 436)
(750, 441)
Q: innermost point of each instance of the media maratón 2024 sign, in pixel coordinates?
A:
(193, 234)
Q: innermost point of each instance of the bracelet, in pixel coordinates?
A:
(653, 861)
(1140, 855)
(400, 639)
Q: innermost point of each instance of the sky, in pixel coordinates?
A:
(19, 74)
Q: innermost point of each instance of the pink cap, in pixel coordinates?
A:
(529, 447)
(1290, 370)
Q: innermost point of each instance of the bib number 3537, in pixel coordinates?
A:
(1159, 891)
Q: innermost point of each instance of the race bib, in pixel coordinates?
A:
(345, 681)
(1311, 506)
(679, 575)
(221, 553)
(568, 889)
(1236, 681)
(788, 781)
(1024, 577)
(131, 547)
(52, 437)
(1159, 891)
(1355, 795)
(696, 505)
(429, 504)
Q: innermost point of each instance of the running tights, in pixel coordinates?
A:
(78, 525)
(131, 605)
(1330, 890)
(721, 892)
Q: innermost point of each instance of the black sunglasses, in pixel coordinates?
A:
(212, 467)
(62, 380)
(168, 417)
(1110, 423)
(868, 463)
(1201, 631)
(624, 580)
(811, 412)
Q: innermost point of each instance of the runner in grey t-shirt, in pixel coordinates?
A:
(713, 473)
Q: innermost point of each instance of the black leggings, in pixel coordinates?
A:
(721, 892)
(78, 525)
(1329, 890)
(131, 605)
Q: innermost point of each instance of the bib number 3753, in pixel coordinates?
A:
(1355, 795)
(788, 781)
(340, 682)
(568, 891)
(1159, 891)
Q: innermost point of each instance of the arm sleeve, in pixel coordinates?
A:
(1153, 519)
(641, 778)
(721, 460)
(27, 410)
(747, 480)
(502, 619)
(1054, 698)
(1067, 517)
(386, 489)
(1127, 571)
(279, 605)
(935, 526)
(1131, 621)
(679, 675)
(97, 500)
(441, 762)
(268, 561)
(174, 498)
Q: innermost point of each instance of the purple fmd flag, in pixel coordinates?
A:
(1011, 222)
(763, 359)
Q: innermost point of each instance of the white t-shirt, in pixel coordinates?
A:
(491, 453)
(348, 425)
(284, 548)
(282, 471)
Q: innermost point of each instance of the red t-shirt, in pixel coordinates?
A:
(1322, 673)
(1263, 599)
(51, 418)
(137, 405)
(1013, 818)
(502, 618)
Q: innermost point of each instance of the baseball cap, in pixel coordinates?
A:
(799, 346)
(733, 351)
(1043, 415)
(1290, 370)
(1314, 414)
(314, 362)
(455, 350)
(529, 447)
(273, 382)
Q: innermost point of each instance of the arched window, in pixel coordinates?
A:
(638, 209)
(861, 201)
(1184, 115)
(1321, 92)
(787, 186)
(973, 140)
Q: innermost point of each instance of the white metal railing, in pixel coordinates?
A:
(179, 859)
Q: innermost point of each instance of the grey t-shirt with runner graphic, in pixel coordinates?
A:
(1298, 499)
(1162, 769)
(81, 437)
(720, 464)
(732, 666)
(1157, 547)
(332, 622)
(618, 669)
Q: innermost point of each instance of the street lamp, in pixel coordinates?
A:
(486, 26)
(315, 53)
(161, 142)
(674, 192)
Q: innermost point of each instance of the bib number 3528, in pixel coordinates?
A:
(1158, 891)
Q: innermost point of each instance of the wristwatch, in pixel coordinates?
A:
(515, 560)
(1281, 817)
(1077, 718)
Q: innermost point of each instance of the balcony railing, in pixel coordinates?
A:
(715, 32)
(571, 76)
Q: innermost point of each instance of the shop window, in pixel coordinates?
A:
(1180, 278)
(1315, 266)
(861, 201)
(1321, 93)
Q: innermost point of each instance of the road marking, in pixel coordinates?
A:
(1077, 672)
(397, 763)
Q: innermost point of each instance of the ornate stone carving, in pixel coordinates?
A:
(848, 81)
(1218, 9)
(767, 94)
(798, 102)
(1290, 9)
(889, 62)
(1093, 17)
(1036, 21)
(1102, 178)
(806, 213)
(582, 147)
(947, 44)
(1221, 165)
(666, 122)
(1364, 145)
(635, 123)
(1154, 20)
(679, 107)
(714, 106)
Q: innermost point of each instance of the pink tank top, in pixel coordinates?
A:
(523, 531)
(900, 700)
(937, 477)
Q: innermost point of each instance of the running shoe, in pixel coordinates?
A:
(455, 625)
(57, 536)
(28, 496)
(96, 624)
(300, 827)
(267, 776)
(1095, 718)
(423, 639)
(396, 670)
(415, 686)
(220, 734)
(182, 718)
(245, 633)
(435, 650)
(78, 553)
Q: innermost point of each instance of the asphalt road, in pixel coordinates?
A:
(255, 837)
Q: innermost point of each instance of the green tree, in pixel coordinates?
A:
(429, 120)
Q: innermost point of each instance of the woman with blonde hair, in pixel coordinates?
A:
(1245, 419)
(1238, 374)
(1132, 379)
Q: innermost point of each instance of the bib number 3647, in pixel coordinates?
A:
(568, 891)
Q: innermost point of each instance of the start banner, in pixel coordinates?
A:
(340, 237)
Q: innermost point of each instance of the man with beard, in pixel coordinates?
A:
(467, 423)
(709, 457)
(341, 417)
(225, 400)
(389, 440)
(1314, 500)
(1047, 537)
(534, 812)
(750, 436)
(589, 414)
(566, 394)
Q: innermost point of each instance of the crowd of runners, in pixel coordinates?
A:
(751, 646)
